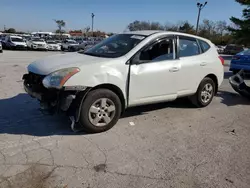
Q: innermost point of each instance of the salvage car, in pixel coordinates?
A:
(53, 45)
(37, 44)
(233, 49)
(94, 87)
(240, 61)
(74, 48)
(67, 43)
(13, 42)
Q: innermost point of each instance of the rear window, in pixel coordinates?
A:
(204, 45)
(246, 52)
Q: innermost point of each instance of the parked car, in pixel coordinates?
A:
(53, 46)
(1, 47)
(220, 49)
(68, 42)
(59, 42)
(78, 47)
(14, 42)
(233, 49)
(130, 69)
(240, 61)
(37, 44)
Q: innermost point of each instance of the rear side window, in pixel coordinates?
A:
(204, 45)
(188, 47)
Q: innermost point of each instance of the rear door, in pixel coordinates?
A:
(193, 65)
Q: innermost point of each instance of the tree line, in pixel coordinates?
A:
(215, 31)
(219, 32)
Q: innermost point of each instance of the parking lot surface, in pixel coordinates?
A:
(163, 145)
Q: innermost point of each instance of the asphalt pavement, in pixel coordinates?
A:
(159, 146)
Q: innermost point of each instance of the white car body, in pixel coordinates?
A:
(68, 42)
(37, 44)
(1, 47)
(140, 83)
(15, 42)
(53, 46)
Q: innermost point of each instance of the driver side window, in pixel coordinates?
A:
(159, 51)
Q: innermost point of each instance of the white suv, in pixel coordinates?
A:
(37, 44)
(94, 87)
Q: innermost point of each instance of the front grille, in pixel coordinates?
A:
(34, 82)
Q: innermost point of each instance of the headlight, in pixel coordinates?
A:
(57, 79)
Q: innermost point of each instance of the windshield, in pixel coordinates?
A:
(15, 39)
(37, 40)
(115, 46)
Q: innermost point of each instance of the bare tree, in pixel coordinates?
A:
(221, 27)
(144, 25)
(60, 25)
(86, 30)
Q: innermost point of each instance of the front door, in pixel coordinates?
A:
(153, 72)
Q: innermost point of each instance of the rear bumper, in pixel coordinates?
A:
(236, 67)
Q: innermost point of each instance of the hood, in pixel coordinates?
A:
(20, 43)
(60, 61)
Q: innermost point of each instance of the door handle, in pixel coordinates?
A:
(174, 69)
(203, 64)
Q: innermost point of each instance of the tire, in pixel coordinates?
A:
(1, 51)
(197, 98)
(62, 48)
(87, 118)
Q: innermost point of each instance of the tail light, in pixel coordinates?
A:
(222, 60)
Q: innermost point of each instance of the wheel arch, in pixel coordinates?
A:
(116, 90)
(215, 79)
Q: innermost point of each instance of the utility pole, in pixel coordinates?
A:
(92, 15)
(200, 7)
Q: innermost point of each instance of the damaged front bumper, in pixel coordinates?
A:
(238, 84)
(53, 101)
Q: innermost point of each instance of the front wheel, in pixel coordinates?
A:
(100, 111)
(205, 93)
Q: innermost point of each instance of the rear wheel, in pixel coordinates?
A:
(205, 93)
(100, 111)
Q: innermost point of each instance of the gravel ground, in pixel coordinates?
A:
(169, 145)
